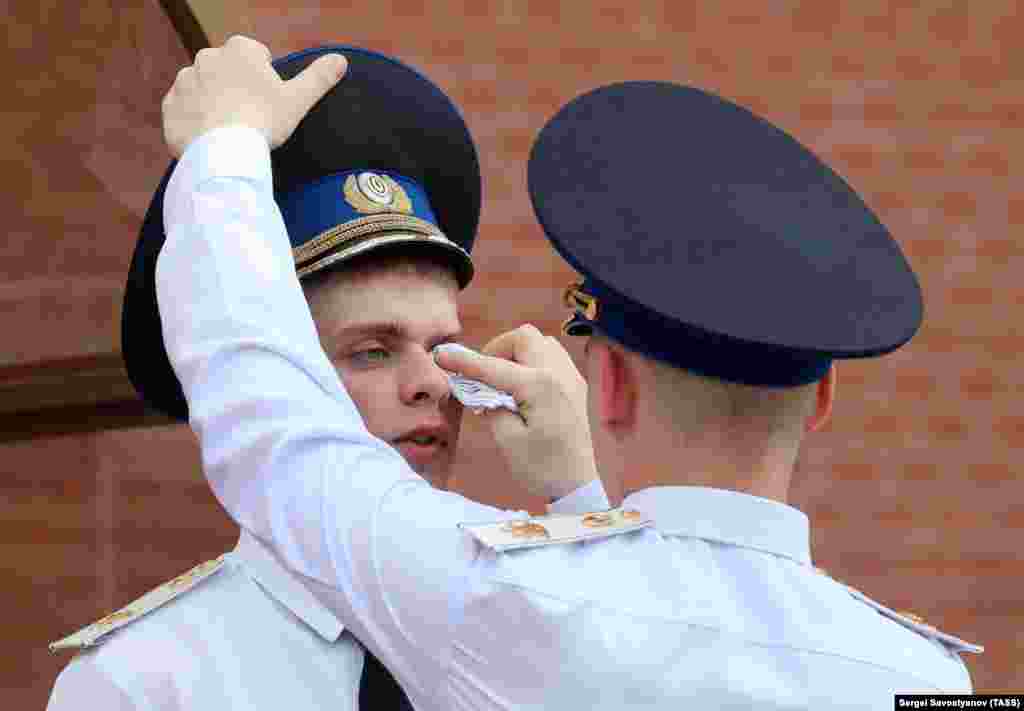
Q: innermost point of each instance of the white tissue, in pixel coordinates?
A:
(472, 393)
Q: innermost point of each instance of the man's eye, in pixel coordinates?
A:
(371, 356)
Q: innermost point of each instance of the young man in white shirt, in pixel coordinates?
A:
(381, 238)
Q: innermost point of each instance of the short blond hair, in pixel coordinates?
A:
(694, 402)
(424, 264)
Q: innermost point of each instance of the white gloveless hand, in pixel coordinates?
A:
(236, 85)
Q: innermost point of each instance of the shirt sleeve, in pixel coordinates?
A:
(83, 685)
(283, 445)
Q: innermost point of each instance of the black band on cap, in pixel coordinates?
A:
(677, 344)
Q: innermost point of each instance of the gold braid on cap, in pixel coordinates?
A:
(346, 236)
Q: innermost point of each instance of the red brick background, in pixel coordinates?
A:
(913, 491)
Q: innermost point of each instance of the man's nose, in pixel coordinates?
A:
(425, 381)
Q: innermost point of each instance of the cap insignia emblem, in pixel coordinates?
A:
(580, 301)
(372, 192)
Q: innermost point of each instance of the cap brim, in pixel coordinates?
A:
(411, 244)
(694, 208)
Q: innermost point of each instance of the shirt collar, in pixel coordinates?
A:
(729, 517)
(286, 587)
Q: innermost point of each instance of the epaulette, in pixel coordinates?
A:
(556, 529)
(912, 622)
(98, 631)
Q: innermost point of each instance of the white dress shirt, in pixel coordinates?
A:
(251, 636)
(717, 606)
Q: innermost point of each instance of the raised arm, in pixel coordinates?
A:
(283, 445)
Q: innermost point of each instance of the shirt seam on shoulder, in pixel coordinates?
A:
(753, 642)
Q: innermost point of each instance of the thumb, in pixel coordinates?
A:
(313, 82)
(496, 372)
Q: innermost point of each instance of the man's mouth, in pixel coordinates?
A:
(423, 440)
(421, 445)
(425, 436)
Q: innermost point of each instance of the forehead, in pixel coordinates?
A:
(423, 301)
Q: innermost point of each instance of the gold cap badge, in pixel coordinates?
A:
(580, 301)
(372, 192)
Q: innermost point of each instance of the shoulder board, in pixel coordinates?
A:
(554, 530)
(96, 633)
(912, 622)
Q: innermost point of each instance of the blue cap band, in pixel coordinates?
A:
(317, 207)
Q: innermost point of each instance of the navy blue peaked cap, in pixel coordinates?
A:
(711, 240)
(384, 163)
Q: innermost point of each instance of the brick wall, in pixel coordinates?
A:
(913, 489)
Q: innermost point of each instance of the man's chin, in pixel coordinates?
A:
(436, 473)
(437, 479)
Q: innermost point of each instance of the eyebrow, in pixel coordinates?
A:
(388, 329)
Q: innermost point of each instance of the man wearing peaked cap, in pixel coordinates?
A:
(378, 189)
(689, 592)
(725, 269)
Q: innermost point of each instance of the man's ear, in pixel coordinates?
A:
(615, 386)
(826, 395)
